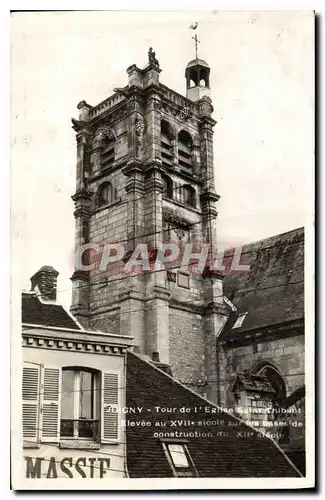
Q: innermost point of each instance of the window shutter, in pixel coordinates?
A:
(51, 390)
(30, 399)
(110, 421)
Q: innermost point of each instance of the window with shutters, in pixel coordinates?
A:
(69, 403)
(80, 404)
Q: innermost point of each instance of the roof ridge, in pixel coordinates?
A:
(214, 405)
(280, 235)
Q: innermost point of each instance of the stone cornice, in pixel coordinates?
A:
(120, 163)
(172, 216)
(109, 206)
(133, 165)
(43, 337)
(158, 292)
(216, 308)
(179, 100)
(208, 196)
(206, 122)
(36, 341)
(131, 295)
(183, 174)
(184, 306)
(82, 194)
(82, 212)
(264, 334)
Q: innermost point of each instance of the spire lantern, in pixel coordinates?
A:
(197, 74)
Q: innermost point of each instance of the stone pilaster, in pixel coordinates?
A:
(157, 320)
(80, 278)
(132, 314)
(216, 315)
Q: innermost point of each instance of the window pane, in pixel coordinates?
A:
(67, 396)
(178, 455)
(86, 395)
(240, 320)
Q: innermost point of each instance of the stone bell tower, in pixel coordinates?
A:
(145, 174)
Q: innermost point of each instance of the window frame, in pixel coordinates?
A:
(42, 403)
(179, 471)
(239, 321)
(189, 196)
(108, 186)
(95, 403)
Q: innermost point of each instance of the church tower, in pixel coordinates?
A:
(145, 175)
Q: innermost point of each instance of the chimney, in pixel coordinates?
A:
(156, 357)
(45, 279)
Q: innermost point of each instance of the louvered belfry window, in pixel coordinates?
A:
(185, 150)
(69, 404)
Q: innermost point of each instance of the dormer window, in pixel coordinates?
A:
(185, 149)
(239, 321)
(180, 460)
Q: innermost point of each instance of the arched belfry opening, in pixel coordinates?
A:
(197, 76)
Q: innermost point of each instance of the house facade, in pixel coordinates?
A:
(73, 384)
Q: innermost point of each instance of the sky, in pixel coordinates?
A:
(262, 87)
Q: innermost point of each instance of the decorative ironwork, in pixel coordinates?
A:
(83, 428)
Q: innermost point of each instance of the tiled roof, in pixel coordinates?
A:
(272, 291)
(36, 312)
(214, 456)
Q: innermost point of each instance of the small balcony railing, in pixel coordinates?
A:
(83, 428)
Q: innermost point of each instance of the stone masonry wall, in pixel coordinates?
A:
(186, 346)
(287, 354)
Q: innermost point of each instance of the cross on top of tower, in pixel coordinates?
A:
(196, 41)
(195, 38)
